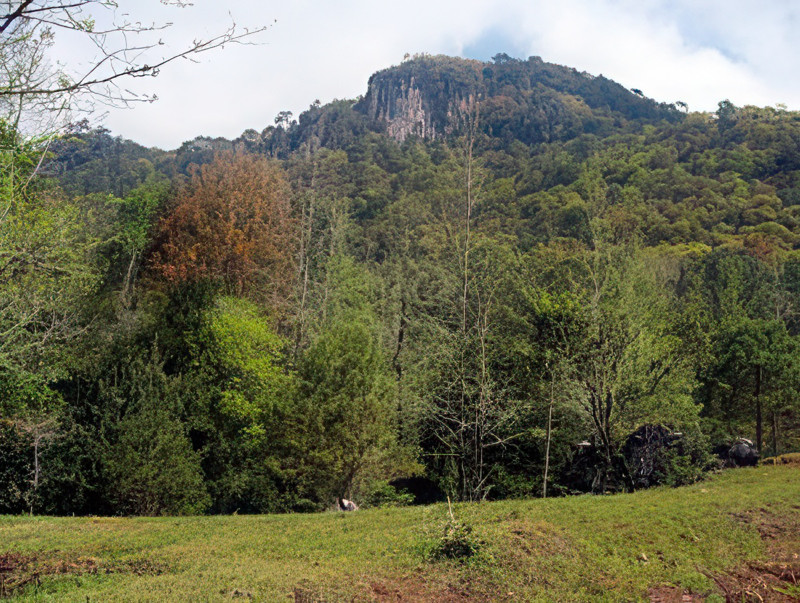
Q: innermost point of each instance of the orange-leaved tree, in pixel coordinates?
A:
(231, 224)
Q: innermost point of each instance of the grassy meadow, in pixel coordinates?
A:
(735, 536)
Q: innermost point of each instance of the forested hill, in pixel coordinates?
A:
(435, 96)
(461, 275)
(553, 142)
(530, 101)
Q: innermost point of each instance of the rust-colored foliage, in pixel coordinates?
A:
(232, 224)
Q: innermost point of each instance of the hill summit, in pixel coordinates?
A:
(530, 100)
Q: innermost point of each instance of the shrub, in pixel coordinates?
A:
(681, 471)
(16, 468)
(384, 495)
(456, 540)
(154, 470)
(688, 460)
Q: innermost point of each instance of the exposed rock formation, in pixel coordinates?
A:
(422, 97)
(403, 110)
(743, 454)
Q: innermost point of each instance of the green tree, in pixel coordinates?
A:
(342, 425)
(149, 462)
(46, 276)
(135, 218)
(757, 368)
(245, 349)
(631, 366)
(752, 372)
(249, 393)
(152, 468)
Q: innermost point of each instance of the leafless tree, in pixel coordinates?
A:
(40, 430)
(470, 408)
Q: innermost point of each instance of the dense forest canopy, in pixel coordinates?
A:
(460, 276)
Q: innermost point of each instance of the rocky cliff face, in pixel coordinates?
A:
(424, 97)
(402, 108)
(408, 112)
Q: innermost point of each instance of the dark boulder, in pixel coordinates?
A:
(582, 473)
(721, 452)
(743, 454)
(645, 453)
(740, 453)
(642, 462)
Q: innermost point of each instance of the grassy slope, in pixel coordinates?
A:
(579, 548)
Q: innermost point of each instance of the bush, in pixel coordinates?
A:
(456, 540)
(688, 460)
(516, 485)
(681, 471)
(154, 470)
(16, 469)
(73, 480)
(384, 495)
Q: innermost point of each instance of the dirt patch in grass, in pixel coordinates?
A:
(672, 594)
(776, 579)
(13, 573)
(773, 580)
(423, 585)
(428, 588)
(406, 588)
(19, 571)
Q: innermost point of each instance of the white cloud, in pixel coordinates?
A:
(698, 52)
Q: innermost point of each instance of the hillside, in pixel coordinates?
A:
(732, 536)
(552, 144)
(504, 279)
(429, 97)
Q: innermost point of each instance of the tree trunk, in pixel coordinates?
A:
(401, 332)
(759, 418)
(549, 431)
(305, 255)
(127, 285)
(36, 439)
(774, 433)
(463, 412)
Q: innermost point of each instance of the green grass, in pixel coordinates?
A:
(568, 549)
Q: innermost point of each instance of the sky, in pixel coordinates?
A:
(696, 51)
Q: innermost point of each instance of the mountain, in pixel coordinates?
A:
(532, 100)
(425, 97)
(684, 177)
(432, 97)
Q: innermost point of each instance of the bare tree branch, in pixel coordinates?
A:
(30, 85)
(13, 16)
